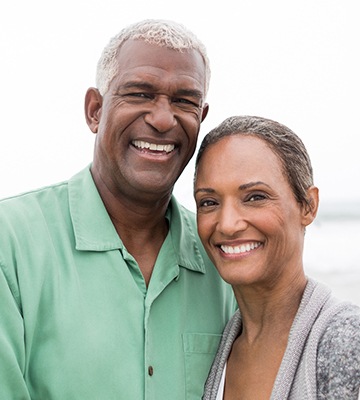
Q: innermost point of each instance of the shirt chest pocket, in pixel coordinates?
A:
(200, 350)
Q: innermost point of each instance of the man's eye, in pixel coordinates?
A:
(185, 102)
(137, 96)
(141, 95)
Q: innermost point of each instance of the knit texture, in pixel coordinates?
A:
(322, 357)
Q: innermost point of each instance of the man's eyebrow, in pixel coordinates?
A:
(138, 85)
(190, 93)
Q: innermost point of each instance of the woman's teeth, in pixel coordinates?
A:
(240, 249)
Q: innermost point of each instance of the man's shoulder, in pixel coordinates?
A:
(25, 197)
(46, 196)
(31, 193)
(31, 204)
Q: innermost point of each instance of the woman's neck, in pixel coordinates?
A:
(271, 310)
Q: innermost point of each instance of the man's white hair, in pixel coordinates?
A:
(159, 32)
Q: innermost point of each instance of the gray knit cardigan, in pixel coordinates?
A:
(322, 357)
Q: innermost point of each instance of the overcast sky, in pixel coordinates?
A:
(293, 61)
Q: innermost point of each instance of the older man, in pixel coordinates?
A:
(105, 290)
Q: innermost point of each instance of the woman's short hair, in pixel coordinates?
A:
(283, 141)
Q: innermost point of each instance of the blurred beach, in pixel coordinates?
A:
(332, 250)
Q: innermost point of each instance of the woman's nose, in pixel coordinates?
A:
(231, 221)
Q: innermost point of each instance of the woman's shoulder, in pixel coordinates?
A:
(344, 324)
(338, 357)
(342, 333)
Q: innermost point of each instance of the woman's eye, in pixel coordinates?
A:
(207, 203)
(256, 197)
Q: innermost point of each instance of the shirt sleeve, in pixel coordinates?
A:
(12, 348)
(338, 362)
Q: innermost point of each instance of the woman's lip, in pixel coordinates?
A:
(240, 248)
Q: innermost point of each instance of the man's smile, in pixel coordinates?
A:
(140, 144)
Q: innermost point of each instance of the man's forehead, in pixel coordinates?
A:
(138, 53)
(142, 64)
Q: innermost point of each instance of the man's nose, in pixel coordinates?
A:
(161, 115)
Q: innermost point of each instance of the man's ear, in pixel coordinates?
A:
(310, 209)
(204, 111)
(93, 104)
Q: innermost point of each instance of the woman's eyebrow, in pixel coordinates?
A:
(204, 190)
(241, 187)
(251, 184)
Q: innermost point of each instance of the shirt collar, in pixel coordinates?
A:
(94, 230)
(184, 237)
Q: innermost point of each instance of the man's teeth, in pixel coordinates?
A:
(154, 147)
(240, 249)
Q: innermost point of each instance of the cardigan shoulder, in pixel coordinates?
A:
(338, 360)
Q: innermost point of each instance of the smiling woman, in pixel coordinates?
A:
(250, 193)
(255, 196)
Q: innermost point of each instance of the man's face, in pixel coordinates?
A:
(149, 119)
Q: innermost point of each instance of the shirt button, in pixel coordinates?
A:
(151, 370)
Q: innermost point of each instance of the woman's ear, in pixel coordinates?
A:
(93, 104)
(310, 209)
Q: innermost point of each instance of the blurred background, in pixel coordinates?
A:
(295, 62)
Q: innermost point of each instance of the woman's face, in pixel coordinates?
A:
(248, 219)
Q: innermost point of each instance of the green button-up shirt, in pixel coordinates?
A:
(76, 319)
